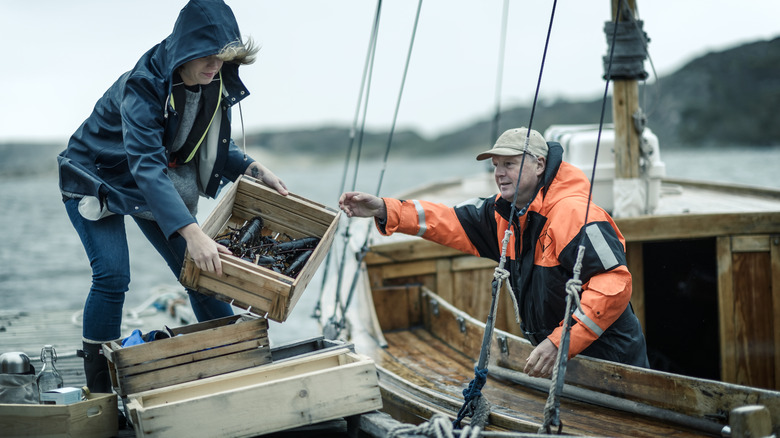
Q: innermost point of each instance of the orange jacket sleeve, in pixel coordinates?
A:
(603, 300)
(429, 220)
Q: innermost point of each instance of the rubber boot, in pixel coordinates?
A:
(97, 374)
(95, 368)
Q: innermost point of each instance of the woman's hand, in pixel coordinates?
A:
(260, 172)
(542, 359)
(203, 249)
(359, 204)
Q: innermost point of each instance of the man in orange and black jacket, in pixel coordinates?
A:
(550, 208)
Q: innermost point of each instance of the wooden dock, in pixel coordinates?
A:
(29, 332)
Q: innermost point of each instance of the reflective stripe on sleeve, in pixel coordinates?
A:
(588, 322)
(420, 218)
(601, 246)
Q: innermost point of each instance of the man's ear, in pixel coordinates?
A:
(541, 164)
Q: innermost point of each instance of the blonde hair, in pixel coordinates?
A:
(237, 52)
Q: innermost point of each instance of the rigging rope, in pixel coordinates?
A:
(364, 248)
(499, 74)
(364, 83)
(337, 324)
(574, 285)
(474, 401)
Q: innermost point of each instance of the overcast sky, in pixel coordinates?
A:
(60, 56)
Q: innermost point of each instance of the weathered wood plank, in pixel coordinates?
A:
(754, 320)
(728, 353)
(750, 243)
(187, 372)
(774, 256)
(409, 269)
(444, 277)
(397, 298)
(210, 338)
(407, 250)
(635, 263)
(689, 226)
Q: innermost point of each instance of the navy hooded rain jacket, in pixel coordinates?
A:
(120, 154)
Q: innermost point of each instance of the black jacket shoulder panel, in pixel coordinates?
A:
(477, 218)
(603, 250)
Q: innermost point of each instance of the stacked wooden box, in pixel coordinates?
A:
(212, 378)
(193, 352)
(91, 418)
(295, 392)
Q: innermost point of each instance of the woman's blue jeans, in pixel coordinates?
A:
(105, 242)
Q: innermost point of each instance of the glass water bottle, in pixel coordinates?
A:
(48, 378)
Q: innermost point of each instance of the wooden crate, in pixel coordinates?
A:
(194, 352)
(95, 417)
(257, 289)
(292, 393)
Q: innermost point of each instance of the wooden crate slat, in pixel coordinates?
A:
(220, 214)
(290, 214)
(210, 338)
(288, 223)
(195, 356)
(214, 323)
(193, 371)
(236, 295)
(237, 270)
(292, 201)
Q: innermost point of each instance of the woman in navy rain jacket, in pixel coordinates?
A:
(157, 140)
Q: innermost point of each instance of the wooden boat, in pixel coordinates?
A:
(706, 287)
(424, 307)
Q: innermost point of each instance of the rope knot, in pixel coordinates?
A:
(500, 274)
(476, 384)
(573, 289)
(471, 394)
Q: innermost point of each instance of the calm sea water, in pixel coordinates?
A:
(43, 265)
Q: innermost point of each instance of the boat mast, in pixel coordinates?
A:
(625, 103)
(624, 65)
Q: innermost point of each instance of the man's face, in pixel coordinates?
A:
(506, 171)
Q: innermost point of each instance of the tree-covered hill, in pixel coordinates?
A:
(723, 98)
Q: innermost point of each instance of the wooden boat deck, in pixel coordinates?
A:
(418, 357)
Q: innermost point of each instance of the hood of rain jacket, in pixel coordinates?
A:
(119, 155)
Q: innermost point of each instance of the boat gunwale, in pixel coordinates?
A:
(703, 399)
(611, 378)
